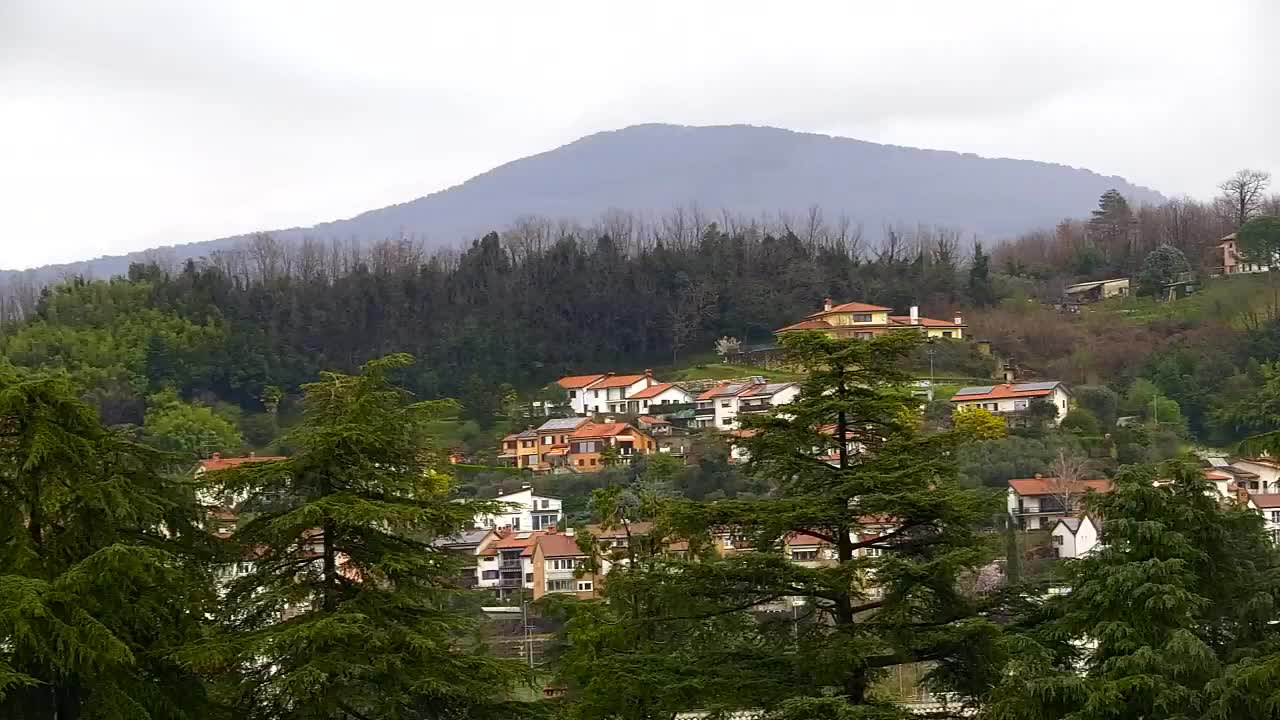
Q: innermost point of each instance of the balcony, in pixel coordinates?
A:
(510, 582)
(516, 564)
(705, 411)
(755, 407)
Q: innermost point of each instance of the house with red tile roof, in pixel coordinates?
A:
(865, 321)
(652, 398)
(606, 393)
(1038, 503)
(558, 566)
(1012, 400)
(721, 406)
(505, 564)
(588, 445)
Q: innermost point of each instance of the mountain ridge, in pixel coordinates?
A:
(651, 168)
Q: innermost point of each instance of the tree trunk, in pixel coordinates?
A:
(855, 683)
(330, 567)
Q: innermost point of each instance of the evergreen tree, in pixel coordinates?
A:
(1171, 616)
(748, 628)
(981, 291)
(350, 611)
(98, 584)
(1161, 267)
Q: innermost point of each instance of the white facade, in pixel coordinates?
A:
(721, 410)
(1074, 537)
(1035, 512)
(1059, 397)
(526, 511)
(674, 395)
(1268, 472)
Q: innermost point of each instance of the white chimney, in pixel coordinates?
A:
(826, 305)
(915, 314)
(568, 531)
(959, 320)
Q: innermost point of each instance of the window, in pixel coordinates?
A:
(546, 439)
(490, 575)
(724, 403)
(862, 336)
(515, 523)
(584, 586)
(804, 555)
(528, 578)
(862, 317)
(875, 552)
(545, 503)
(1057, 539)
(1275, 516)
(726, 421)
(1019, 404)
(595, 394)
(946, 333)
(573, 394)
(581, 462)
(593, 461)
(564, 563)
(560, 586)
(526, 443)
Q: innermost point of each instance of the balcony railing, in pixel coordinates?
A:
(510, 582)
(755, 407)
(707, 411)
(512, 564)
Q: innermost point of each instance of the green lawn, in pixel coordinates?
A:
(1236, 299)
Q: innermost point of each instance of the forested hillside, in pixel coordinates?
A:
(238, 333)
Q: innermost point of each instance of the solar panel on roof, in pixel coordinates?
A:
(976, 390)
(1036, 386)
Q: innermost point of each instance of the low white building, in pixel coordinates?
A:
(651, 399)
(1040, 502)
(526, 511)
(1011, 400)
(1074, 536)
(721, 406)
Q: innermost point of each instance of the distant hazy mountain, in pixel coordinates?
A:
(650, 169)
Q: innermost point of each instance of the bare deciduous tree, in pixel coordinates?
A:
(1067, 473)
(688, 314)
(1243, 195)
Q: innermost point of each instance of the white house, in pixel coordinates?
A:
(575, 391)
(525, 511)
(1038, 503)
(1011, 399)
(505, 565)
(1268, 505)
(606, 392)
(650, 399)
(720, 406)
(1074, 536)
(1261, 475)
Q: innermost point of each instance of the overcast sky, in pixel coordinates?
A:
(135, 123)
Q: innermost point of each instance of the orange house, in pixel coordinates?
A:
(557, 560)
(588, 443)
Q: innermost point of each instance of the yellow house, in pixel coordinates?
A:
(520, 449)
(863, 321)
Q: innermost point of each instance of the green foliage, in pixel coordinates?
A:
(1161, 267)
(348, 612)
(1165, 619)
(193, 429)
(98, 580)
(1081, 422)
(978, 424)
(981, 290)
(993, 463)
(1258, 241)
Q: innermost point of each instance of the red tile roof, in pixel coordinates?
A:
(652, 391)
(804, 540)
(1045, 486)
(926, 322)
(852, 307)
(601, 430)
(1211, 474)
(1003, 392)
(1265, 500)
(618, 381)
(523, 539)
(559, 545)
(221, 463)
(576, 382)
(807, 325)
(650, 420)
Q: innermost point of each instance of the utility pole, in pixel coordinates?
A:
(930, 350)
(528, 642)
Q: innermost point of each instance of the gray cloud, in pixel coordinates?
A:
(142, 122)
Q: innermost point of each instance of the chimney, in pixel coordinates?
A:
(648, 372)
(1038, 476)
(568, 531)
(526, 486)
(551, 529)
(253, 454)
(959, 320)
(609, 374)
(826, 305)
(915, 314)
